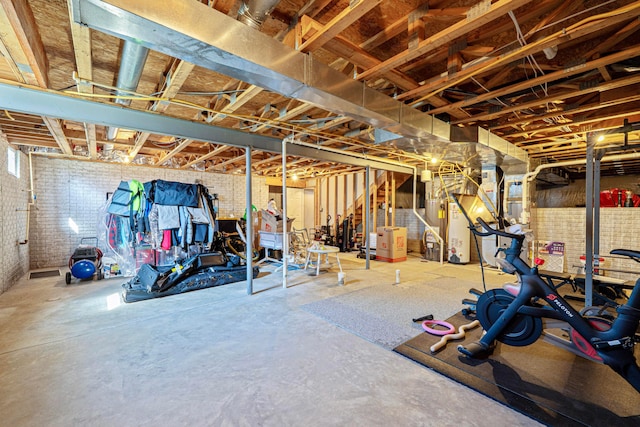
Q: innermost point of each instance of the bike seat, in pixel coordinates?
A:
(635, 255)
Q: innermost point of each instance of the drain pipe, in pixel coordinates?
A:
(133, 58)
(525, 217)
(254, 12)
(32, 202)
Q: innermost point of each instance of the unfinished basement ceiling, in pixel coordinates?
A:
(537, 75)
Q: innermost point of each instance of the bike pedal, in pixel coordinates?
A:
(476, 350)
(476, 292)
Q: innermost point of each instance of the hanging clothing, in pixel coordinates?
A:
(168, 217)
(154, 229)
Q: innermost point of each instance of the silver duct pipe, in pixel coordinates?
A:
(131, 63)
(254, 12)
(191, 31)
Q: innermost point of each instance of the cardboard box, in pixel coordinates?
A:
(268, 222)
(391, 244)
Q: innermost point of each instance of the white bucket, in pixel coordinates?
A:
(341, 277)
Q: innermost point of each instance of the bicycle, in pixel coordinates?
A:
(233, 243)
(519, 315)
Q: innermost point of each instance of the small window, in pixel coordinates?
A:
(13, 162)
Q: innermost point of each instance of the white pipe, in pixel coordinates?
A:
(415, 212)
(32, 202)
(285, 240)
(248, 221)
(530, 176)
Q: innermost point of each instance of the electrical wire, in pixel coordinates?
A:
(508, 56)
(274, 123)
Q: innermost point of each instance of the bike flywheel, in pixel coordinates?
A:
(520, 331)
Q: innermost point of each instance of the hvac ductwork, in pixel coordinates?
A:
(203, 36)
(131, 64)
(254, 12)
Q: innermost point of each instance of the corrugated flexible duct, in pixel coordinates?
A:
(131, 64)
(254, 12)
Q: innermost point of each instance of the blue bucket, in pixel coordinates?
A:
(83, 269)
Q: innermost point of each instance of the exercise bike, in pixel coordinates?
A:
(519, 315)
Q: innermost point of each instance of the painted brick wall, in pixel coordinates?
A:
(618, 230)
(14, 199)
(71, 195)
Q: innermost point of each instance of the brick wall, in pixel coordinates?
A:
(71, 195)
(14, 199)
(617, 231)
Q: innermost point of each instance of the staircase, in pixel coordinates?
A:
(383, 189)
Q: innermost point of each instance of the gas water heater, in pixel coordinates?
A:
(459, 238)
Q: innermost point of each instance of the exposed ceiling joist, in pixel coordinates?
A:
(481, 14)
(51, 104)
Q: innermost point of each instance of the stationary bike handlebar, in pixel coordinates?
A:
(634, 255)
(491, 231)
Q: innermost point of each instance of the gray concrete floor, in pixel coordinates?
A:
(70, 355)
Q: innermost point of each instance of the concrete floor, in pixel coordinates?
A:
(70, 355)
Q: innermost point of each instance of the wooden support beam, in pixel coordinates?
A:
(581, 29)
(21, 38)
(171, 154)
(547, 78)
(81, 38)
(610, 98)
(289, 115)
(207, 156)
(609, 42)
(583, 125)
(459, 29)
(55, 127)
(174, 79)
(92, 142)
(416, 31)
(454, 63)
(356, 9)
(626, 81)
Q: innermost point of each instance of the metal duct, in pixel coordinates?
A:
(131, 63)
(203, 36)
(254, 12)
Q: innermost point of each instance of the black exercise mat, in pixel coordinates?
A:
(542, 381)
